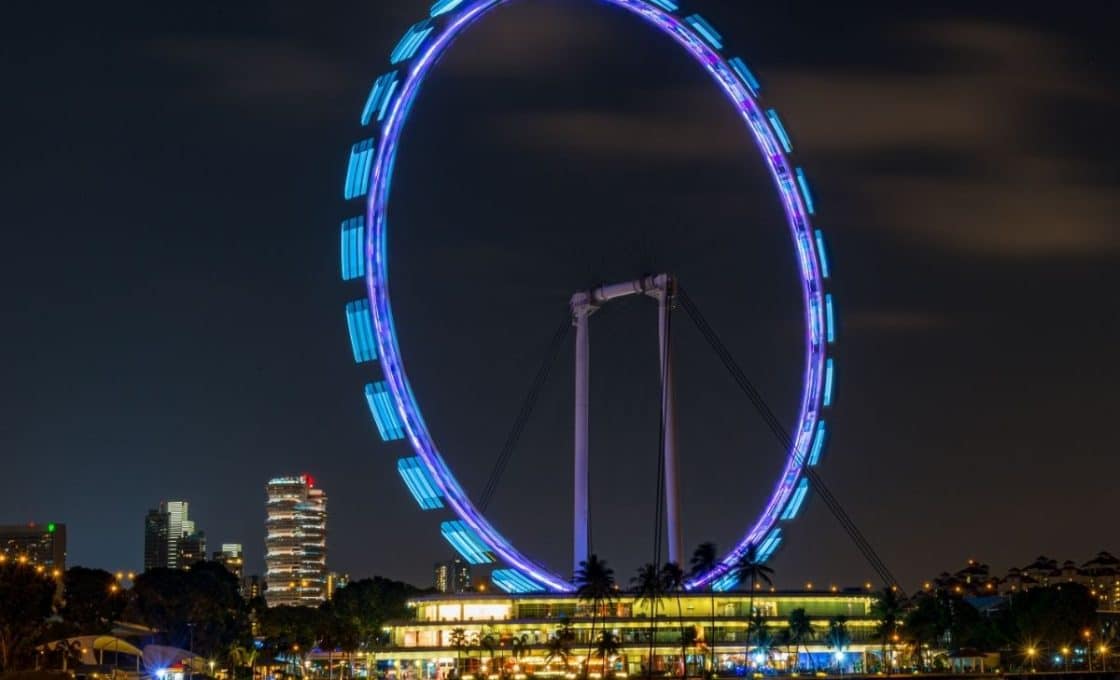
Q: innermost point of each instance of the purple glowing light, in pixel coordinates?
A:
(741, 94)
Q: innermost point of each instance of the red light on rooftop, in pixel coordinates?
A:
(309, 479)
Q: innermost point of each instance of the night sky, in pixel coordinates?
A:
(173, 315)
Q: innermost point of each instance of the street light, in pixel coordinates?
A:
(1065, 655)
(1031, 652)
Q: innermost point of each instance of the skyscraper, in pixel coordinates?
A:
(295, 542)
(171, 540)
(155, 540)
(453, 576)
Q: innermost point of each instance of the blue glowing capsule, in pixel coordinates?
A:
(359, 322)
(420, 483)
(379, 97)
(798, 498)
(706, 30)
(828, 382)
(744, 72)
(411, 41)
(353, 243)
(822, 254)
(818, 444)
(726, 582)
(357, 172)
(466, 542)
(830, 319)
(444, 6)
(513, 581)
(667, 5)
(779, 130)
(770, 544)
(384, 414)
(805, 193)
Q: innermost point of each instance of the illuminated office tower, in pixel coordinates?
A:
(453, 576)
(179, 525)
(171, 540)
(295, 542)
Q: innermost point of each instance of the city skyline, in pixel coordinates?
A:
(968, 241)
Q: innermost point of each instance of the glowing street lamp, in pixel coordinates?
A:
(1031, 653)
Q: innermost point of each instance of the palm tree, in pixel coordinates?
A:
(839, 637)
(458, 641)
(753, 570)
(560, 644)
(800, 633)
(704, 560)
(887, 609)
(764, 640)
(925, 621)
(649, 588)
(672, 580)
(606, 647)
(594, 584)
(489, 643)
(519, 648)
(783, 638)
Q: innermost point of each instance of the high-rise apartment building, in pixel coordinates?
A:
(171, 540)
(453, 576)
(295, 542)
(41, 544)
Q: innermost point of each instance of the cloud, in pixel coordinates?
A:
(956, 154)
(259, 71)
(528, 38)
(999, 188)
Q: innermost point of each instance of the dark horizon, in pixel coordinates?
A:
(175, 324)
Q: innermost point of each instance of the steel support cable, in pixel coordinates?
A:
(524, 413)
(783, 437)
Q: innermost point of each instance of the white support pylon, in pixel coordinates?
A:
(583, 305)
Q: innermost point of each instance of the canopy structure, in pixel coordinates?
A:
(91, 649)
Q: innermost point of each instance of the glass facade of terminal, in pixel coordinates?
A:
(511, 636)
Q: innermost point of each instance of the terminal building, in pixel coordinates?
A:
(492, 635)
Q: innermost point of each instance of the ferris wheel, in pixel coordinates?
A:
(364, 257)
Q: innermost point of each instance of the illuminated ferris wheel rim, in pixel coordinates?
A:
(373, 336)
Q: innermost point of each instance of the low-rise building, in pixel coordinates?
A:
(498, 633)
(40, 544)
